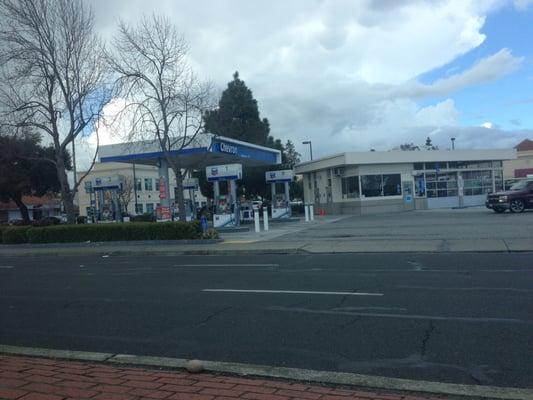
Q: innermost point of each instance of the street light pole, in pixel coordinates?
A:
(453, 143)
(310, 148)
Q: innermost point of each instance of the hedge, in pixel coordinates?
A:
(15, 234)
(103, 232)
(111, 232)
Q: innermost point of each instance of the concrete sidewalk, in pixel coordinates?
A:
(425, 231)
(227, 247)
(27, 378)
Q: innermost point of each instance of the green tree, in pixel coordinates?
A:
(290, 156)
(238, 117)
(429, 145)
(27, 168)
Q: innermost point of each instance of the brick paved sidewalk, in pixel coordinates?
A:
(48, 379)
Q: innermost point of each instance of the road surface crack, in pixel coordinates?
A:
(213, 315)
(427, 335)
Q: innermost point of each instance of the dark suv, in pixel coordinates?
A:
(517, 198)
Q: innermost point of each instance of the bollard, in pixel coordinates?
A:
(265, 218)
(306, 208)
(312, 212)
(256, 221)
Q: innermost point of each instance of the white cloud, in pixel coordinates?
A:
(487, 125)
(522, 4)
(486, 70)
(339, 72)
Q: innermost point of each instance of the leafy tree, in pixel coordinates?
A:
(409, 147)
(290, 156)
(237, 115)
(27, 168)
(429, 145)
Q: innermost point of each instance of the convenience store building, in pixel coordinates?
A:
(377, 182)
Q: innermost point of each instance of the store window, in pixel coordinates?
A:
(420, 186)
(138, 208)
(350, 187)
(138, 184)
(148, 184)
(381, 185)
(477, 182)
(150, 208)
(419, 166)
(442, 185)
(498, 180)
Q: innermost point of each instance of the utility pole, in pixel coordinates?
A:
(310, 148)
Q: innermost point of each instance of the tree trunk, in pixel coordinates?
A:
(22, 207)
(180, 198)
(66, 196)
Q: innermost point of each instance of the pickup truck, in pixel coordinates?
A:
(516, 199)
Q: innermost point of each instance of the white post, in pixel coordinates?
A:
(311, 212)
(265, 218)
(256, 221)
(306, 208)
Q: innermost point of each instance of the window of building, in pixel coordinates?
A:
(150, 208)
(329, 182)
(88, 186)
(392, 185)
(477, 182)
(138, 184)
(156, 187)
(148, 184)
(381, 185)
(139, 208)
(419, 166)
(441, 185)
(420, 186)
(498, 180)
(350, 187)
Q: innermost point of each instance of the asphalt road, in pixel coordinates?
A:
(461, 318)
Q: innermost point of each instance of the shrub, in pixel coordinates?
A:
(211, 233)
(81, 219)
(15, 234)
(46, 221)
(146, 217)
(119, 232)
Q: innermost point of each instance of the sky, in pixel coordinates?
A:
(367, 74)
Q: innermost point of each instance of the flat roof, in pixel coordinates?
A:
(402, 157)
(206, 149)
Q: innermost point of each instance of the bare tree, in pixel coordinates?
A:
(125, 195)
(164, 98)
(53, 76)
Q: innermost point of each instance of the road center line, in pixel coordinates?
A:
(292, 292)
(226, 265)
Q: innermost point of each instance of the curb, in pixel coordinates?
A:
(295, 374)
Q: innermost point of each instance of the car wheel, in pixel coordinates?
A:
(517, 206)
(499, 210)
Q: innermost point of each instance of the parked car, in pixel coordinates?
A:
(516, 199)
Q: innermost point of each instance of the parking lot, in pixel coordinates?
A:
(452, 224)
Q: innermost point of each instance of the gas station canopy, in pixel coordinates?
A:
(205, 150)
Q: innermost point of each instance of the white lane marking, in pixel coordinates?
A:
(292, 292)
(6, 266)
(226, 265)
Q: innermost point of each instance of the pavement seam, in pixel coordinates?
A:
(295, 374)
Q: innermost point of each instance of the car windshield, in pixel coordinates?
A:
(519, 185)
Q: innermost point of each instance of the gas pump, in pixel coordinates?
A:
(281, 202)
(227, 208)
(190, 185)
(106, 198)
